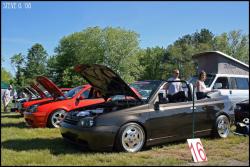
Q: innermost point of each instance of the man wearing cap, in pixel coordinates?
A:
(6, 97)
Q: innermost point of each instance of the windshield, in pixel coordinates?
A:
(146, 88)
(207, 82)
(73, 92)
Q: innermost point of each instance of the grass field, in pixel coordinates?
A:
(26, 146)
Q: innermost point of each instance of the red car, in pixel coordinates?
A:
(50, 113)
(65, 90)
(43, 96)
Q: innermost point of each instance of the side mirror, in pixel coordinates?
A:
(80, 98)
(157, 106)
(217, 86)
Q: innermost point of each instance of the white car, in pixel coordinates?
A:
(236, 87)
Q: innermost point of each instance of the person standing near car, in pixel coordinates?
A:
(6, 97)
(173, 87)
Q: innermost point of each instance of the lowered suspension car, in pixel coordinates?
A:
(129, 124)
(50, 113)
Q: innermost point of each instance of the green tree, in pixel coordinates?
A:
(234, 43)
(180, 53)
(36, 62)
(152, 61)
(6, 76)
(114, 47)
(121, 48)
(17, 61)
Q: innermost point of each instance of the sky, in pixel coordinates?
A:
(158, 23)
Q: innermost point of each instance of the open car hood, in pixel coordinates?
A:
(49, 86)
(39, 91)
(105, 80)
(28, 91)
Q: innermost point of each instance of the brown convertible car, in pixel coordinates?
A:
(126, 122)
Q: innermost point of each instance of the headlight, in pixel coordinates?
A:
(33, 108)
(86, 122)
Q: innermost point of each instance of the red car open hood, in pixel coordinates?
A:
(39, 91)
(49, 86)
(105, 80)
(28, 91)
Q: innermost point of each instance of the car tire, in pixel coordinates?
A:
(55, 118)
(131, 138)
(222, 127)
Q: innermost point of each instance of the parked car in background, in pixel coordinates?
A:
(241, 112)
(225, 74)
(24, 95)
(236, 87)
(50, 113)
(41, 98)
(45, 95)
(129, 124)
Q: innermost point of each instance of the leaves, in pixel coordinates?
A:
(5, 75)
(36, 61)
(119, 49)
(113, 47)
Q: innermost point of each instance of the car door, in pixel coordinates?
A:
(171, 120)
(205, 111)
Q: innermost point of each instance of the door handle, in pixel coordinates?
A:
(192, 108)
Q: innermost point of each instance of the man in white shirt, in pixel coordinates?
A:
(174, 87)
(6, 97)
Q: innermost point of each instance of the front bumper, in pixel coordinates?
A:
(99, 138)
(35, 120)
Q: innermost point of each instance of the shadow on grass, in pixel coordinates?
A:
(11, 116)
(167, 144)
(6, 113)
(56, 146)
(17, 125)
(177, 142)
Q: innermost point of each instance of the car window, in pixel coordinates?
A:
(145, 88)
(223, 81)
(242, 83)
(73, 92)
(85, 93)
(232, 83)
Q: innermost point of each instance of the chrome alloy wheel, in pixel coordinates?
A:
(223, 127)
(57, 117)
(133, 138)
